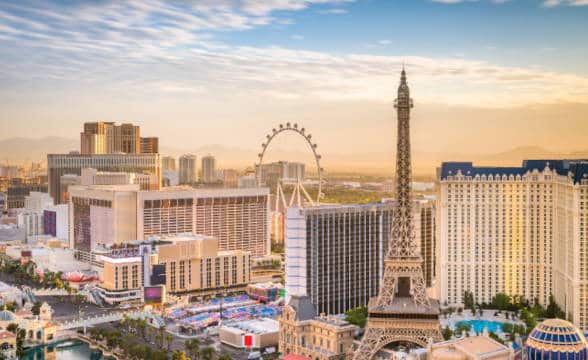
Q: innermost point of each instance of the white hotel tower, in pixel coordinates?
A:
(516, 230)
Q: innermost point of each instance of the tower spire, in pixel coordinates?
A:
(402, 311)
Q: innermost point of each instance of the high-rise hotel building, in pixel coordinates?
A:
(72, 164)
(188, 169)
(335, 253)
(105, 146)
(101, 215)
(515, 230)
(110, 138)
(208, 169)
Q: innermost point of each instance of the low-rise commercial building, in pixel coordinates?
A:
(251, 334)
(121, 278)
(194, 264)
(470, 348)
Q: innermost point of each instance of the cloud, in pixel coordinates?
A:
(335, 11)
(151, 48)
(267, 6)
(452, 1)
(553, 3)
(297, 37)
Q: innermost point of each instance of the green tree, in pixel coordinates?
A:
(12, 327)
(224, 357)
(507, 328)
(20, 336)
(553, 310)
(169, 338)
(159, 355)
(461, 327)
(357, 316)
(179, 355)
(468, 299)
(501, 301)
(36, 309)
(10, 306)
(447, 333)
(207, 353)
(496, 337)
(193, 348)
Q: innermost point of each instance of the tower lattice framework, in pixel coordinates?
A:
(402, 311)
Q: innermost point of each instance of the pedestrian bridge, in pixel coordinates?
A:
(153, 319)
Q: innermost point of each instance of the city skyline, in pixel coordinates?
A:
(194, 74)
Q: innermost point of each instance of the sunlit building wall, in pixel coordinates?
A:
(516, 230)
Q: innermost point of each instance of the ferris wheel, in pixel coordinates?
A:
(313, 146)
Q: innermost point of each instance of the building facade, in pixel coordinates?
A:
(281, 170)
(121, 278)
(62, 164)
(16, 194)
(56, 221)
(304, 333)
(208, 169)
(149, 145)
(101, 215)
(335, 253)
(517, 230)
(194, 264)
(425, 215)
(94, 177)
(168, 163)
(188, 169)
(230, 178)
(110, 138)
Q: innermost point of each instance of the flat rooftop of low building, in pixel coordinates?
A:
(295, 357)
(475, 345)
(267, 285)
(4, 334)
(256, 326)
(333, 320)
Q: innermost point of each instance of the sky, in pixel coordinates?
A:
(486, 76)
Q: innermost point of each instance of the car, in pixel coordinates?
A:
(254, 355)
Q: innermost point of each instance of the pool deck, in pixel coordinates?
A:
(488, 315)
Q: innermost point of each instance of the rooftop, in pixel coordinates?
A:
(4, 334)
(472, 347)
(576, 168)
(256, 326)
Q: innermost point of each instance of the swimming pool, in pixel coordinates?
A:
(478, 326)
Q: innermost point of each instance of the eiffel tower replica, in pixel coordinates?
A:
(402, 313)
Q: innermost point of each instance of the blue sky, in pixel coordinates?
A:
(244, 64)
(516, 32)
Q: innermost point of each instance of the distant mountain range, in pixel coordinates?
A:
(23, 150)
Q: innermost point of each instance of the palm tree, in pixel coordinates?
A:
(179, 355)
(169, 338)
(193, 348)
(150, 332)
(161, 334)
(141, 326)
(207, 353)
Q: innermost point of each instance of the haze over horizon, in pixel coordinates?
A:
(227, 72)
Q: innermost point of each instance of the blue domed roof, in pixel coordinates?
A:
(6, 315)
(556, 339)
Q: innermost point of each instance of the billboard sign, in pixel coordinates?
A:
(154, 295)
